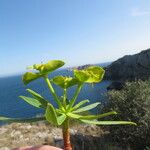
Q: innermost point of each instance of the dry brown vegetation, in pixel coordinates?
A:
(23, 134)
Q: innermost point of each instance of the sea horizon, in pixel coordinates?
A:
(103, 64)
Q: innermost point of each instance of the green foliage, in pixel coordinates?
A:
(86, 108)
(99, 116)
(28, 120)
(67, 109)
(43, 70)
(29, 77)
(92, 74)
(48, 67)
(108, 122)
(131, 103)
(38, 97)
(80, 104)
(52, 117)
(32, 101)
(64, 82)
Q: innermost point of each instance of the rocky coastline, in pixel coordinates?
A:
(130, 67)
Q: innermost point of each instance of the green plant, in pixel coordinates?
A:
(67, 109)
(131, 103)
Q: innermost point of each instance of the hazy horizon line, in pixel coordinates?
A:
(19, 73)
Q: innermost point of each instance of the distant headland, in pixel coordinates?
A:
(130, 67)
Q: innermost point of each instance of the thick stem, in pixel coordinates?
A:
(52, 91)
(66, 135)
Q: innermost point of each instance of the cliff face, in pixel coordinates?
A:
(130, 67)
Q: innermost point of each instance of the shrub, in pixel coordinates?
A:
(131, 103)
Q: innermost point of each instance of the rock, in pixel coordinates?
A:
(73, 131)
(15, 133)
(3, 130)
(41, 135)
(130, 67)
(28, 127)
(49, 141)
(59, 142)
(116, 85)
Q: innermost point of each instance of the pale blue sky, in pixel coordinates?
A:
(76, 31)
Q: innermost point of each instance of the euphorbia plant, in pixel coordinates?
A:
(66, 108)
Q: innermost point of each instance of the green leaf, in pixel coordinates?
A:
(108, 122)
(29, 76)
(39, 98)
(32, 101)
(79, 104)
(64, 82)
(43, 69)
(91, 74)
(58, 111)
(61, 119)
(81, 75)
(75, 116)
(89, 117)
(86, 108)
(48, 67)
(51, 115)
(5, 119)
(96, 74)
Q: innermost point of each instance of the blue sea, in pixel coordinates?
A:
(12, 87)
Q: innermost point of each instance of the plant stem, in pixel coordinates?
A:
(65, 98)
(75, 96)
(66, 135)
(53, 92)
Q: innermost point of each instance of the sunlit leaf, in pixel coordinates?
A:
(61, 119)
(23, 120)
(38, 97)
(90, 117)
(32, 101)
(29, 76)
(48, 67)
(91, 74)
(79, 104)
(43, 69)
(64, 82)
(72, 115)
(51, 115)
(108, 122)
(86, 108)
(58, 111)
(81, 75)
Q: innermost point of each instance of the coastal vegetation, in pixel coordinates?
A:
(67, 109)
(131, 103)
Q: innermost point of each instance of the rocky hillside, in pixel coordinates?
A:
(130, 67)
